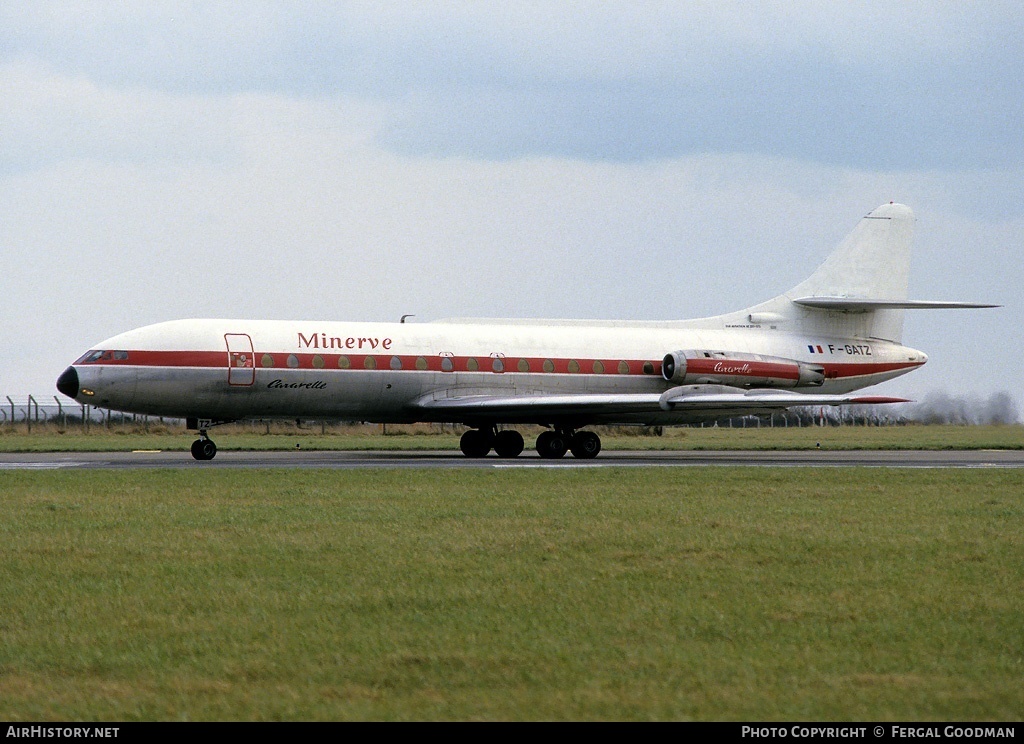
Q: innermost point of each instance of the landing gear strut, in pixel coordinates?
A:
(203, 448)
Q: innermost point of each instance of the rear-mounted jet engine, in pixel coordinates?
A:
(739, 369)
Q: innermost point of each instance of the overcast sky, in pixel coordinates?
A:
(362, 160)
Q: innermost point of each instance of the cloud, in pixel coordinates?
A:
(866, 85)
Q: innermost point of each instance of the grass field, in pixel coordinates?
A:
(281, 436)
(641, 594)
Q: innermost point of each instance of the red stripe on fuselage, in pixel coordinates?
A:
(435, 363)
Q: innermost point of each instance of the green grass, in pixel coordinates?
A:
(625, 594)
(124, 438)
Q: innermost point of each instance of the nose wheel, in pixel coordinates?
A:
(204, 448)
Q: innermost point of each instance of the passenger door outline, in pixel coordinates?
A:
(241, 359)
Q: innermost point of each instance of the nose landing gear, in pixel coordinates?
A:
(203, 448)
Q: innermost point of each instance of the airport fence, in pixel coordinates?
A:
(39, 411)
(26, 412)
(30, 411)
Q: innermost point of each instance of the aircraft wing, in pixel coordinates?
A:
(697, 401)
(727, 399)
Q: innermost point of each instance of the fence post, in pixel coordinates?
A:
(60, 412)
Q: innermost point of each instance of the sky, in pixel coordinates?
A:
(630, 160)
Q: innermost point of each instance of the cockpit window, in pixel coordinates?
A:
(101, 355)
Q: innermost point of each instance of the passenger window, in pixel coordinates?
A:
(472, 364)
(598, 367)
(524, 365)
(623, 368)
(344, 362)
(549, 366)
(267, 361)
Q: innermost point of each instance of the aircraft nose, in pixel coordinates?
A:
(67, 383)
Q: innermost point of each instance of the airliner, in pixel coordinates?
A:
(837, 332)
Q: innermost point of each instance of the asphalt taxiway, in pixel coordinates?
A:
(447, 459)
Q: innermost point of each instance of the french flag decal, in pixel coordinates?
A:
(814, 349)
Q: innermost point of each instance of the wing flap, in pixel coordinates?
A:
(553, 405)
(726, 399)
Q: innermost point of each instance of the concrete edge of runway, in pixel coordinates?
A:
(141, 460)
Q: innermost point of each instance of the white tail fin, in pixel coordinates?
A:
(872, 263)
(860, 289)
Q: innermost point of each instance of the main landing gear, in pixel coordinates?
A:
(584, 445)
(478, 442)
(551, 445)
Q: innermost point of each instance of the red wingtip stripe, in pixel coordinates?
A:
(879, 399)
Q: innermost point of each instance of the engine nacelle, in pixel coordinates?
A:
(739, 369)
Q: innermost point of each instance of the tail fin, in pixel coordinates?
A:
(860, 289)
(872, 263)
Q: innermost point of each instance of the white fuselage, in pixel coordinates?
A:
(237, 369)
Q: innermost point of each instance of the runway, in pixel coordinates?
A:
(447, 459)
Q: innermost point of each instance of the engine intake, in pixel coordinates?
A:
(739, 369)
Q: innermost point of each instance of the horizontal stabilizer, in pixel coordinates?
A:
(855, 305)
